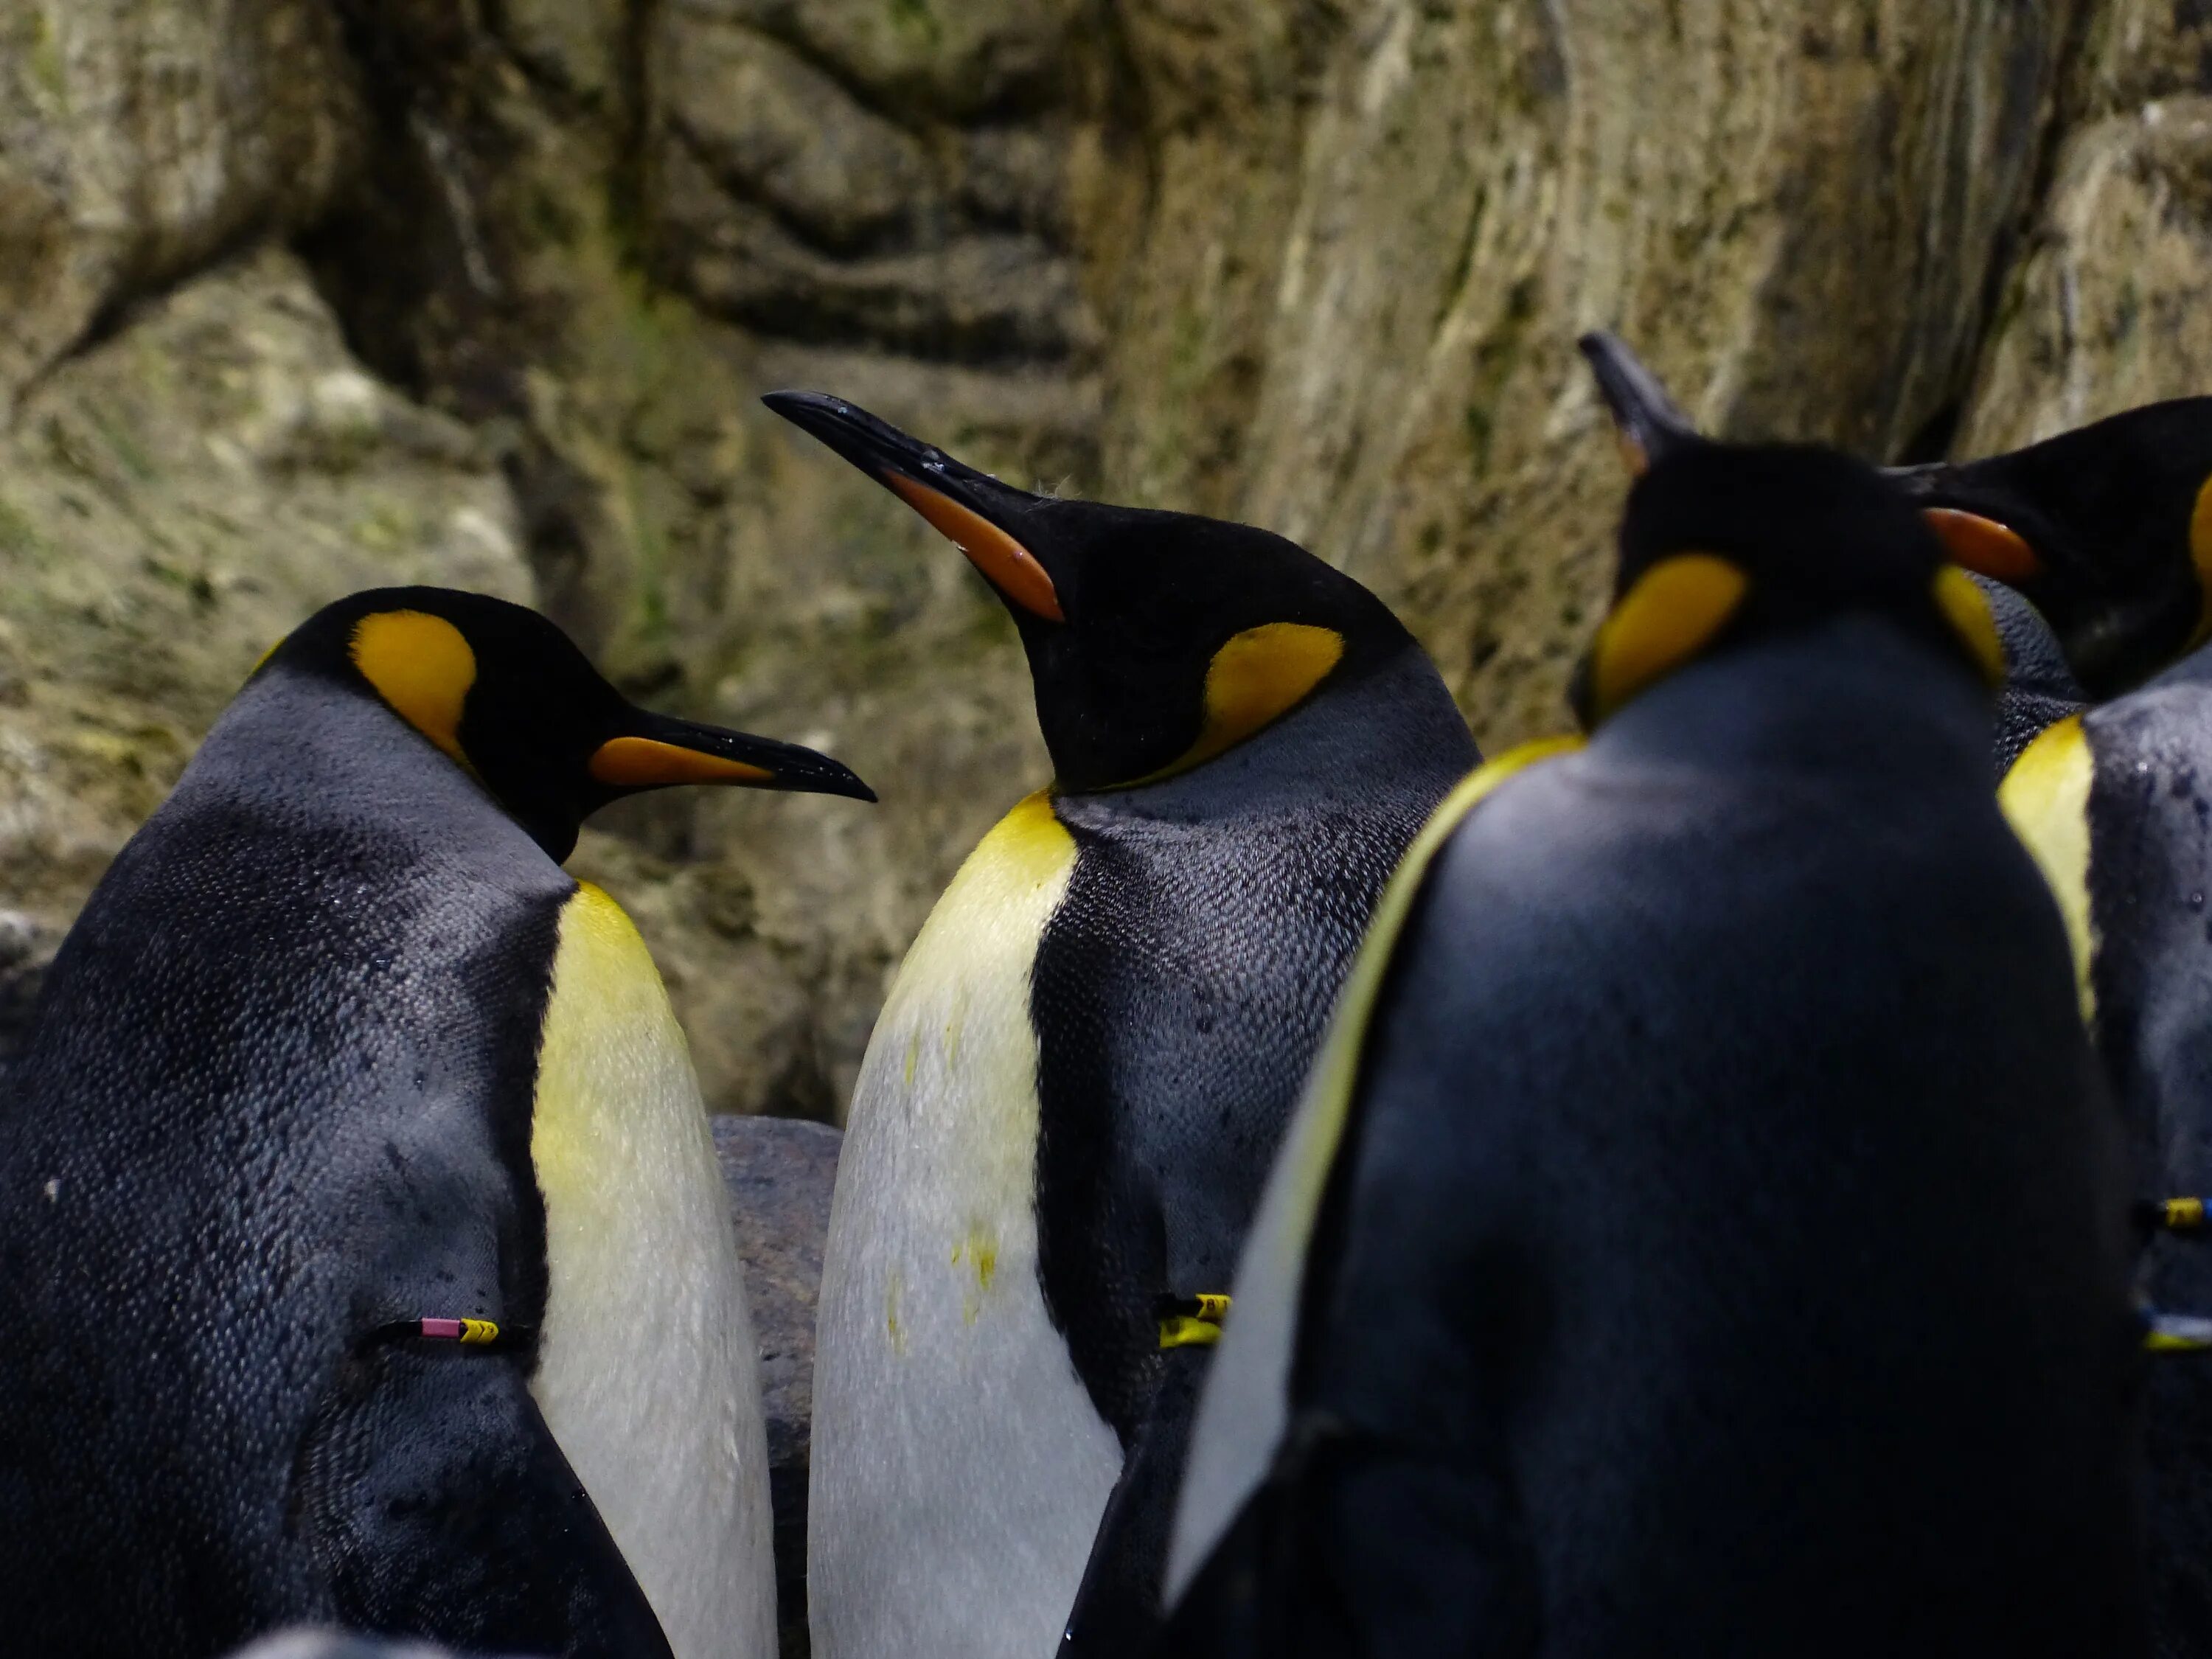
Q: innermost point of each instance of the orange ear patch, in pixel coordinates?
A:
(1967, 611)
(644, 762)
(1006, 563)
(1670, 613)
(2200, 553)
(421, 665)
(1982, 546)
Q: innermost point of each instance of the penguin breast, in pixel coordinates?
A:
(648, 1370)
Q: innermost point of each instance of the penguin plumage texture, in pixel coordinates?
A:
(363, 1256)
(2106, 528)
(2115, 801)
(1069, 1100)
(1704, 1230)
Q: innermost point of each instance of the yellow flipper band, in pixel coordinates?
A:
(1192, 1322)
(2182, 1215)
(479, 1330)
(1181, 1332)
(2173, 1334)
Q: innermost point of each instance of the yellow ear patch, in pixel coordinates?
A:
(1967, 609)
(1259, 676)
(423, 667)
(645, 763)
(2200, 554)
(1671, 614)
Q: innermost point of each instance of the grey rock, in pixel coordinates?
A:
(780, 1172)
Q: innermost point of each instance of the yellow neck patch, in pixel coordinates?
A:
(423, 667)
(1967, 607)
(2046, 798)
(2200, 554)
(1253, 680)
(1669, 615)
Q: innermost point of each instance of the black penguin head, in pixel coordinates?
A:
(2108, 529)
(1725, 544)
(1156, 640)
(510, 698)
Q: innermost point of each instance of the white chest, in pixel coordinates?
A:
(959, 1468)
(648, 1373)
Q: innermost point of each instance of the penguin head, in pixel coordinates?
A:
(1723, 544)
(2107, 529)
(1156, 640)
(506, 697)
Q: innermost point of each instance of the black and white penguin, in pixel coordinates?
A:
(1069, 1101)
(1705, 1231)
(363, 1256)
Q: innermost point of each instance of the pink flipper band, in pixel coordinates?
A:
(447, 1330)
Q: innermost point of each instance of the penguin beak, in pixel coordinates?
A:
(1645, 417)
(660, 749)
(966, 507)
(1981, 543)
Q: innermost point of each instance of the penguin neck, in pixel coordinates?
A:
(1849, 695)
(1387, 729)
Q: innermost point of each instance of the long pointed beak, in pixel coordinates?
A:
(961, 504)
(1649, 422)
(659, 750)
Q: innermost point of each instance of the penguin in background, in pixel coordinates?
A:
(1069, 1099)
(363, 1256)
(1703, 1232)
(2040, 687)
(2107, 529)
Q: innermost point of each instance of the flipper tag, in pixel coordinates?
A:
(469, 1333)
(2175, 1334)
(2172, 1215)
(1192, 1322)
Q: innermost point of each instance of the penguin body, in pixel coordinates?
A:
(1069, 1101)
(2039, 689)
(2113, 803)
(1067, 1107)
(336, 1062)
(1703, 1233)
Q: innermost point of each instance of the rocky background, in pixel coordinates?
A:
(302, 295)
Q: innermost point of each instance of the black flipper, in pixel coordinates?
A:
(438, 1503)
(1117, 1610)
(1435, 1548)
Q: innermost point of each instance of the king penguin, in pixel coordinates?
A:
(2115, 801)
(1069, 1101)
(2107, 529)
(363, 1257)
(2039, 689)
(1704, 1230)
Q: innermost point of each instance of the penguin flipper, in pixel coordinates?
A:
(1358, 1549)
(1117, 1609)
(440, 1505)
